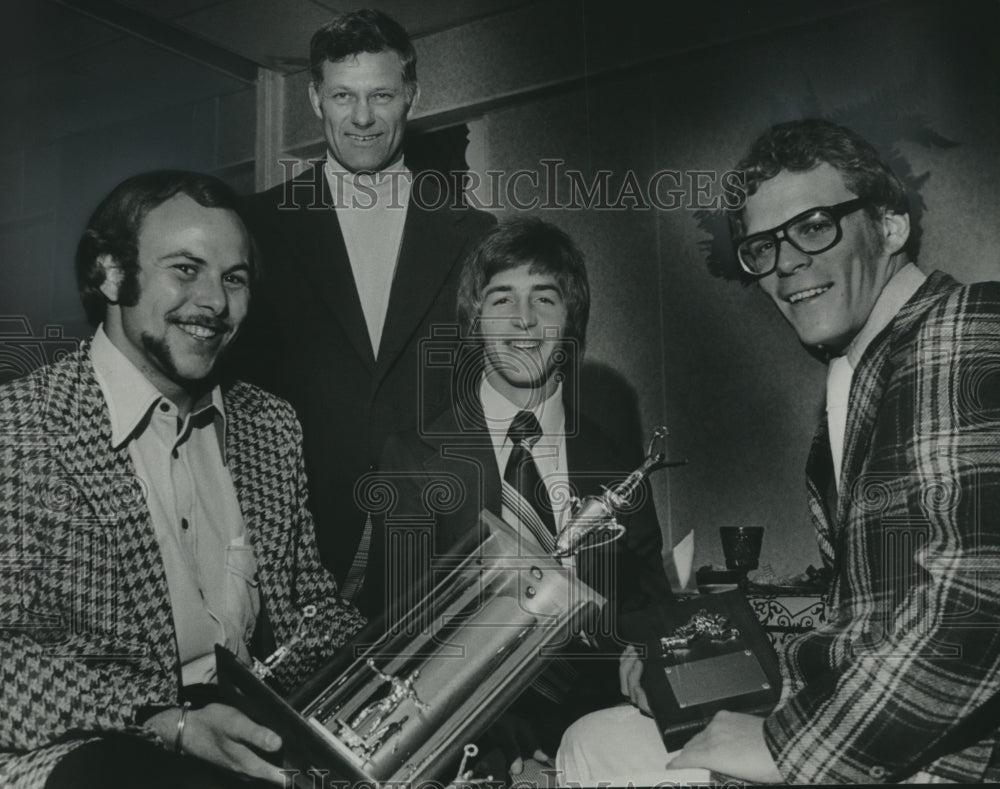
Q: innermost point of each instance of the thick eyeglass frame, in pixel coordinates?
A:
(780, 233)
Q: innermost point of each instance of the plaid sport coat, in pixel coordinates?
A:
(902, 683)
(86, 627)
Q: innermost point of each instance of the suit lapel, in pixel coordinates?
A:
(470, 442)
(252, 465)
(583, 459)
(429, 250)
(869, 382)
(590, 467)
(821, 485)
(867, 386)
(329, 268)
(237, 451)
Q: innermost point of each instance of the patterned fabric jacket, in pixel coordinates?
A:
(88, 636)
(902, 683)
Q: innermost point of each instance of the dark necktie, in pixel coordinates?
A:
(558, 679)
(522, 473)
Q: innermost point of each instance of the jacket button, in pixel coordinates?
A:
(877, 772)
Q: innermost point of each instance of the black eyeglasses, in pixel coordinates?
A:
(811, 232)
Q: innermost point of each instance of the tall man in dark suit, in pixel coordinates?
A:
(359, 270)
(515, 443)
(903, 680)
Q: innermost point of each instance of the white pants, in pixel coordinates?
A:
(617, 747)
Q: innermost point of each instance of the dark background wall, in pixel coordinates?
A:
(708, 358)
(85, 106)
(623, 88)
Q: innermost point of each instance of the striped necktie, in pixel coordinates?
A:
(522, 473)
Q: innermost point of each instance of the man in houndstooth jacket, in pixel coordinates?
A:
(148, 512)
(902, 683)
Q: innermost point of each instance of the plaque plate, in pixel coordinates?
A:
(714, 678)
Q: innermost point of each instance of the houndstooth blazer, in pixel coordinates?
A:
(87, 627)
(902, 683)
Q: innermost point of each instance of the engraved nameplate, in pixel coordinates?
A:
(720, 677)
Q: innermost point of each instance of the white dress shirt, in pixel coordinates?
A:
(371, 210)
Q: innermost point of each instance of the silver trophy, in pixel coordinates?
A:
(412, 702)
(594, 519)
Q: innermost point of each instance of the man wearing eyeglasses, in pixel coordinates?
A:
(903, 681)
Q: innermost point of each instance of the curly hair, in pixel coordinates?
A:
(367, 30)
(798, 146)
(114, 229)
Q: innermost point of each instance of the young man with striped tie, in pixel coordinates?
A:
(516, 444)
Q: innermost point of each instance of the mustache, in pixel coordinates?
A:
(216, 324)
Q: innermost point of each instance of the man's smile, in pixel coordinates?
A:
(198, 332)
(809, 293)
(362, 138)
(201, 329)
(524, 345)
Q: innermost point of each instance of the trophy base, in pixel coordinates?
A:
(729, 667)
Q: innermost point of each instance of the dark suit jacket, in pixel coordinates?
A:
(448, 475)
(307, 341)
(903, 680)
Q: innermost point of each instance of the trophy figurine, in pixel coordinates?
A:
(399, 689)
(596, 516)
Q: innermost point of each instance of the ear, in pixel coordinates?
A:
(413, 102)
(315, 100)
(896, 230)
(113, 276)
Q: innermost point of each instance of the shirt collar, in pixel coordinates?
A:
(397, 175)
(130, 395)
(499, 412)
(897, 291)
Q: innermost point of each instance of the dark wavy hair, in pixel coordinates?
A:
(367, 30)
(547, 249)
(114, 229)
(801, 145)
